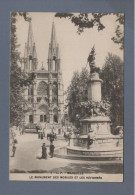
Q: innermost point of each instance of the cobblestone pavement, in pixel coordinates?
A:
(28, 153)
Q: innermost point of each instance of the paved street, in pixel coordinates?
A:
(28, 153)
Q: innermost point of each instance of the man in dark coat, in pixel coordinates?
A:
(51, 138)
(51, 150)
(44, 151)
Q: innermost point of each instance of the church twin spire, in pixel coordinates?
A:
(30, 54)
(53, 52)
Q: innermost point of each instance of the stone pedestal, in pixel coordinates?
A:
(94, 87)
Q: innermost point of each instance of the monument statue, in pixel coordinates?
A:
(91, 61)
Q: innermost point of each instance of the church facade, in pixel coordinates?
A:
(45, 96)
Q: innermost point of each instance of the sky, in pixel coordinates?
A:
(74, 48)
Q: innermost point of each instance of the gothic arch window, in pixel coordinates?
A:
(39, 99)
(46, 99)
(42, 89)
(55, 118)
(31, 118)
(45, 118)
(30, 100)
(55, 115)
(41, 118)
(30, 90)
(55, 92)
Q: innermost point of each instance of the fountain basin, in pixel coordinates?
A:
(89, 155)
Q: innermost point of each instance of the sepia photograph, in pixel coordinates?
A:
(66, 97)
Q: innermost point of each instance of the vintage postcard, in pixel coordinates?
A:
(66, 97)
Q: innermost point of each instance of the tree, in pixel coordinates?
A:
(18, 79)
(112, 87)
(76, 93)
(85, 20)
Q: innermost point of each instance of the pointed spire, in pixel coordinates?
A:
(58, 52)
(53, 52)
(49, 51)
(30, 40)
(34, 54)
(53, 36)
(30, 54)
(25, 51)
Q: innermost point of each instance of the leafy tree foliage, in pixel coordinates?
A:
(119, 38)
(76, 93)
(18, 79)
(85, 20)
(112, 87)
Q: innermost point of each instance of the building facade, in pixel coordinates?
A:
(45, 96)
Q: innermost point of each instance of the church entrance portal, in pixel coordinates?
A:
(43, 113)
(43, 118)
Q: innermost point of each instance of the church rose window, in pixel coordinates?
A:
(42, 88)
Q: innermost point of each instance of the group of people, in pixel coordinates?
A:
(51, 137)
(41, 135)
(44, 151)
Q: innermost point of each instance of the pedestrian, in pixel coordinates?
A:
(41, 135)
(44, 151)
(23, 129)
(51, 138)
(51, 150)
(20, 129)
(13, 149)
